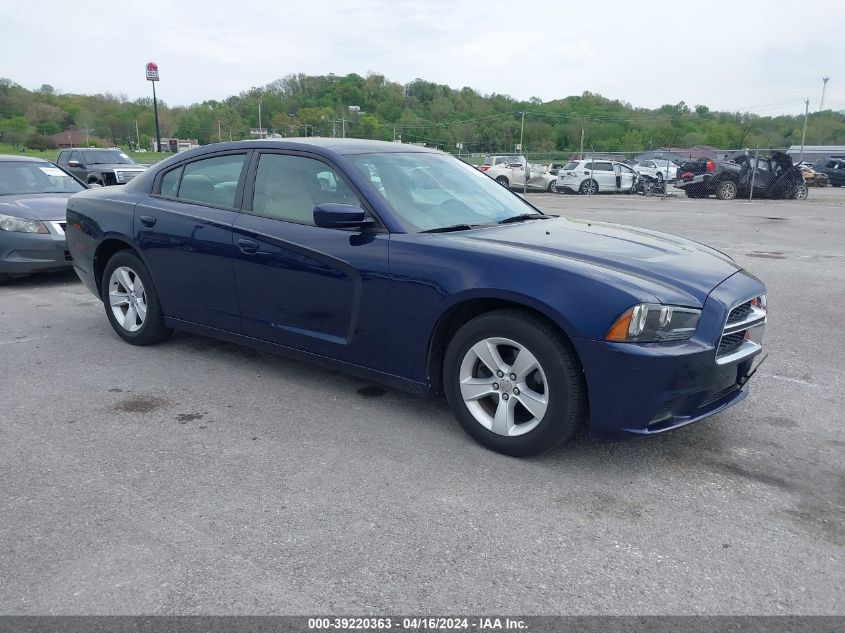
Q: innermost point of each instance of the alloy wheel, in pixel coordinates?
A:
(504, 386)
(127, 298)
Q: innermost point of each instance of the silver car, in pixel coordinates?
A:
(33, 201)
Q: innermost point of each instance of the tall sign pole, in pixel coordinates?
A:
(152, 76)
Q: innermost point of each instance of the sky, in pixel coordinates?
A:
(736, 56)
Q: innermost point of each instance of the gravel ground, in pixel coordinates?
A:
(200, 477)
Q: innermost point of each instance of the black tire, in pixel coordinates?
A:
(727, 190)
(587, 185)
(801, 192)
(551, 187)
(153, 329)
(566, 406)
(503, 181)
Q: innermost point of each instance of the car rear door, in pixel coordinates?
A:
(314, 289)
(603, 174)
(184, 231)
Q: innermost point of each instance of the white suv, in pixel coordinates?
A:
(594, 176)
(658, 168)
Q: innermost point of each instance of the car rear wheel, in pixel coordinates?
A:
(551, 187)
(726, 190)
(131, 301)
(514, 383)
(801, 192)
(503, 181)
(589, 187)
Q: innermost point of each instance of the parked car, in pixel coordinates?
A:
(657, 168)
(595, 176)
(100, 166)
(33, 197)
(517, 176)
(773, 176)
(435, 280)
(491, 160)
(812, 177)
(833, 168)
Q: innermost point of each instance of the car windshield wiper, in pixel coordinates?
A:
(524, 216)
(450, 228)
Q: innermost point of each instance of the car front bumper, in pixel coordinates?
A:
(645, 389)
(24, 253)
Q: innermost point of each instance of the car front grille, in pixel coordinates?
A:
(125, 176)
(740, 335)
(730, 343)
(740, 313)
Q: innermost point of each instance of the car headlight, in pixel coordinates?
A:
(21, 225)
(653, 323)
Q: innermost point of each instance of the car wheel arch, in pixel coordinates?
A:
(467, 309)
(105, 251)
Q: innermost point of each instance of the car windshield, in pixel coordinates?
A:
(35, 177)
(106, 157)
(434, 191)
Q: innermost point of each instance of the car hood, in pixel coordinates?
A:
(670, 262)
(45, 206)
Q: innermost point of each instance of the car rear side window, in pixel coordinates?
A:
(212, 181)
(170, 182)
(289, 187)
(601, 166)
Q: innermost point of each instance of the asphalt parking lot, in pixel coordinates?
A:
(200, 477)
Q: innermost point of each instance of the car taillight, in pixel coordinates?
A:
(485, 167)
(686, 174)
(710, 165)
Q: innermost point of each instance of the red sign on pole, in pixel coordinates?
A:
(152, 71)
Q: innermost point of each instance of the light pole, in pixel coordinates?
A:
(824, 88)
(804, 133)
(260, 133)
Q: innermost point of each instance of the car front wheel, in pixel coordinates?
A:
(514, 383)
(131, 301)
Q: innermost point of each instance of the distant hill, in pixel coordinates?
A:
(421, 112)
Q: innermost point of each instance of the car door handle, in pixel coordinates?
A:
(248, 246)
(147, 220)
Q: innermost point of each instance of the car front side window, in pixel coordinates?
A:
(288, 188)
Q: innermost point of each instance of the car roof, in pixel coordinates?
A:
(14, 158)
(335, 145)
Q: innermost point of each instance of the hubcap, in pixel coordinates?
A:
(503, 386)
(728, 191)
(127, 298)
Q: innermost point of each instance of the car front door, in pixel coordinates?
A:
(319, 290)
(78, 169)
(184, 231)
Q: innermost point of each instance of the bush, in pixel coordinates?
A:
(38, 142)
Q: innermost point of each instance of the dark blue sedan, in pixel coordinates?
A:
(408, 267)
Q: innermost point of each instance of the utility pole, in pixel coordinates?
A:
(260, 133)
(521, 131)
(137, 134)
(804, 133)
(219, 133)
(824, 88)
(581, 151)
(343, 123)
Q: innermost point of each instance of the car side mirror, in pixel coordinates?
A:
(74, 163)
(331, 215)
